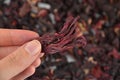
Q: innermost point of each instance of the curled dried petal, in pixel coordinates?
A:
(67, 38)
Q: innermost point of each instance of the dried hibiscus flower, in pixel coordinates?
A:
(67, 38)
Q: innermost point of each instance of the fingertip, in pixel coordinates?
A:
(42, 54)
(25, 74)
(29, 34)
(16, 37)
(23, 36)
(37, 62)
(31, 70)
(33, 47)
(35, 34)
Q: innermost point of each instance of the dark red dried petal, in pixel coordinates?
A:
(24, 9)
(97, 72)
(115, 54)
(68, 37)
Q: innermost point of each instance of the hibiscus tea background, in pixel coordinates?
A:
(99, 23)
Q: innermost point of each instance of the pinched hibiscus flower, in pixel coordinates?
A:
(67, 38)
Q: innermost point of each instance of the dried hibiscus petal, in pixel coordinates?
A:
(68, 37)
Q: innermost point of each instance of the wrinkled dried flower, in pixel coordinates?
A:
(67, 38)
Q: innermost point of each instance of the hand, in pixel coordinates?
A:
(18, 59)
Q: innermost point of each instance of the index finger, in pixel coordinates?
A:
(14, 37)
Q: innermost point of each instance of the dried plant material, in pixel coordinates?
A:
(86, 71)
(24, 9)
(97, 72)
(7, 2)
(42, 13)
(33, 2)
(99, 23)
(44, 5)
(68, 37)
(91, 59)
(115, 54)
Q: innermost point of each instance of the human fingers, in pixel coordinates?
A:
(26, 73)
(10, 37)
(19, 60)
(5, 51)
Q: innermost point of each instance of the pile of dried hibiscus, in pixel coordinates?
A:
(65, 58)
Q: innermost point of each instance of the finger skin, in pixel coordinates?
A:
(18, 61)
(37, 62)
(29, 71)
(5, 51)
(23, 75)
(10, 37)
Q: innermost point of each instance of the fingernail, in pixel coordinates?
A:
(33, 47)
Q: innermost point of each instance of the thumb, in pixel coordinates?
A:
(19, 60)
